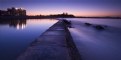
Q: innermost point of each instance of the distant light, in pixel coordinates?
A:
(16, 8)
(22, 8)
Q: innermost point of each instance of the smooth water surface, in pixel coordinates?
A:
(94, 44)
(109, 22)
(17, 35)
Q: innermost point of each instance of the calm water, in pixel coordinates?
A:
(16, 35)
(109, 22)
(95, 44)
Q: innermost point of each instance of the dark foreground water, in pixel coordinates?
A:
(17, 35)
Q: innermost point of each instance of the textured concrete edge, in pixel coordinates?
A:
(73, 51)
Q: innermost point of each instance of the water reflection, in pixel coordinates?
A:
(18, 24)
(14, 41)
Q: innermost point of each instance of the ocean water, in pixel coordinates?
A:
(94, 44)
(17, 35)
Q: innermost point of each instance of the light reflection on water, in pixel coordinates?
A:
(22, 26)
(16, 35)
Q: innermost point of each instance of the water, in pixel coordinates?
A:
(17, 35)
(108, 22)
(96, 44)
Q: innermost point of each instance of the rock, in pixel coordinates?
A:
(99, 27)
(68, 23)
(87, 24)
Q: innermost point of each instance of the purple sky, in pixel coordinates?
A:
(76, 7)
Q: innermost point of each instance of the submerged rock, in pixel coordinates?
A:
(68, 23)
(99, 27)
(87, 24)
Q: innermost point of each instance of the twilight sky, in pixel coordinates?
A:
(76, 7)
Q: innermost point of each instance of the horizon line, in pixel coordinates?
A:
(69, 14)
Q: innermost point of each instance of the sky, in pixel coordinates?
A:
(76, 7)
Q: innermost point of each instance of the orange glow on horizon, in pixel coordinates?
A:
(87, 14)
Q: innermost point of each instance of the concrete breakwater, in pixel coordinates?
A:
(54, 44)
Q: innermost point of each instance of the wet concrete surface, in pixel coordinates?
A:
(51, 45)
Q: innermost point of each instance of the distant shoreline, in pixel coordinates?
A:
(102, 17)
(51, 17)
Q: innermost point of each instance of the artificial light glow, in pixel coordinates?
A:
(20, 26)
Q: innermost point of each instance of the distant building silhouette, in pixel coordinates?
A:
(3, 12)
(13, 12)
